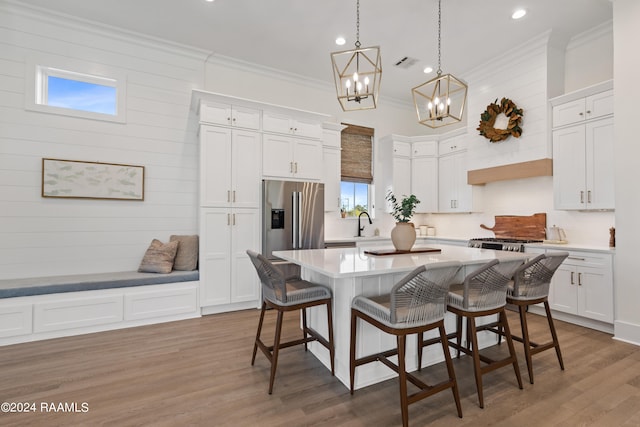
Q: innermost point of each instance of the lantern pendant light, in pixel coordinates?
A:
(357, 74)
(440, 101)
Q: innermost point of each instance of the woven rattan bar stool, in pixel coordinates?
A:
(415, 304)
(530, 286)
(289, 294)
(483, 293)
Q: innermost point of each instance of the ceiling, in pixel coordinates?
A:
(297, 36)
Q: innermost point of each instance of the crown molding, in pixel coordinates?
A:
(86, 26)
(510, 57)
(606, 28)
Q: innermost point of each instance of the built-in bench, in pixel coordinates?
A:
(48, 307)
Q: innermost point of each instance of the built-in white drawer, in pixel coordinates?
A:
(161, 302)
(401, 149)
(77, 312)
(15, 319)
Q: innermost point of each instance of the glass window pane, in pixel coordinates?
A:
(78, 95)
(354, 197)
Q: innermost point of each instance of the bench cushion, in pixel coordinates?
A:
(10, 288)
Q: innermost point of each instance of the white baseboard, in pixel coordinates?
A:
(627, 332)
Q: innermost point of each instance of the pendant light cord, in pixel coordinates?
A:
(439, 38)
(358, 24)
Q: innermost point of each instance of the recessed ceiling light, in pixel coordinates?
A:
(428, 70)
(518, 14)
(210, 1)
(340, 41)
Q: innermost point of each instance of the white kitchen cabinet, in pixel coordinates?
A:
(583, 166)
(401, 176)
(586, 108)
(229, 167)
(583, 286)
(290, 157)
(227, 276)
(230, 115)
(290, 125)
(424, 182)
(454, 194)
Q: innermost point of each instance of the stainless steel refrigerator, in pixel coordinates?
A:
(293, 216)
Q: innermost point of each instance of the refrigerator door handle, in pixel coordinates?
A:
(295, 219)
(300, 236)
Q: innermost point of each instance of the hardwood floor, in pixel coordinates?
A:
(198, 372)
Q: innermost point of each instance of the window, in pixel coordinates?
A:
(356, 171)
(77, 94)
(354, 198)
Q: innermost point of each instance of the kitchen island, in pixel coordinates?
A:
(349, 272)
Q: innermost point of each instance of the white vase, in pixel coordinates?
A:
(403, 236)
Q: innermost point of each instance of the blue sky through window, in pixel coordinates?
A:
(354, 197)
(78, 95)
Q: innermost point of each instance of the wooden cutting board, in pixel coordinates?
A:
(519, 227)
(396, 252)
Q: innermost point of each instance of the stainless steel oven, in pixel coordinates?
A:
(500, 244)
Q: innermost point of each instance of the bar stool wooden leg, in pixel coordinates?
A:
(458, 334)
(255, 345)
(420, 345)
(332, 346)
(554, 335)
(352, 357)
(512, 350)
(525, 340)
(304, 327)
(449, 363)
(477, 369)
(402, 377)
(276, 349)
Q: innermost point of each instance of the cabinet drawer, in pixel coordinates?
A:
(282, 123)
(401, 149)
(224, 114)
(159, 302)
(77, 312)
(587, 259)
(427, 148)
(590, 107)
(452, 145)
(15, 320)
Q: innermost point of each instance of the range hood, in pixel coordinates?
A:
(530, 169)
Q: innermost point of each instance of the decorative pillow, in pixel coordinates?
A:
(187, 256)
(159, 257)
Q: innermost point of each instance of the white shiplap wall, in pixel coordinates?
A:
(522, 76)
(41, 236)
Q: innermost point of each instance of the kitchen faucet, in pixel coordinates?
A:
(362, 228)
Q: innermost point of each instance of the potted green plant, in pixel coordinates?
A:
(403, 235)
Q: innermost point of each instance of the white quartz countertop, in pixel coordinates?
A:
(351, 262)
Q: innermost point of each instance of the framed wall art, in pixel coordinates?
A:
(75, 179)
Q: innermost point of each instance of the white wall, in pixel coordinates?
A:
(626, 16)
(589, 58)
(44, 236)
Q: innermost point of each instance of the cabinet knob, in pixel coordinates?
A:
(588, 111)
(581, 114)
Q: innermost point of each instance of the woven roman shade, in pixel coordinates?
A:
(356, 157)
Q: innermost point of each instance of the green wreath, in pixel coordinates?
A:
(488, 120)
